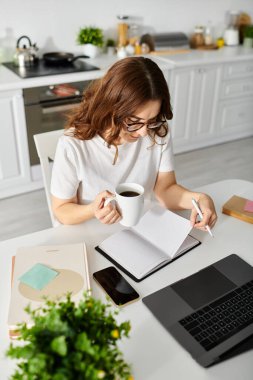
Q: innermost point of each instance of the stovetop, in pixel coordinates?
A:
(43, 69)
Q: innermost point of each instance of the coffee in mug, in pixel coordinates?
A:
(129, 194)
(130, 201)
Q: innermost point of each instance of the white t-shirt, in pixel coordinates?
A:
(84, 167)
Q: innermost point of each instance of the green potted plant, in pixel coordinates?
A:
(110, 46)
(248, 36)
(70, 342)
(92, 39)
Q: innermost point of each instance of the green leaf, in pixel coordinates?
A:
(59, 345)
(37, 365)
(84, 344)
(60, 376)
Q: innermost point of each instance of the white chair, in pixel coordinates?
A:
(46, 146)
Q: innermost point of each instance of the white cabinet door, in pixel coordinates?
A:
(235, 118)
(194, 92)
(14, 160)
(235, 111)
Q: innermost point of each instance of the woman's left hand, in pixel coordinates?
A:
(207, 207)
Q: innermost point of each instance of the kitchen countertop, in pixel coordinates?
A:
(11, 81)
(197, 57)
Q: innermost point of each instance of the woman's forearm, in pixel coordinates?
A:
(176, 197)
(72, 213)
(172, 195)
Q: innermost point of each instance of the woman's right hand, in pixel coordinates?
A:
(108, 214)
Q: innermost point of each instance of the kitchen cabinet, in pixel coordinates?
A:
(14, 161)
(194, 97)
(235, 111)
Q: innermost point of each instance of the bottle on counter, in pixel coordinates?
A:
(208, 35)
(137, 47)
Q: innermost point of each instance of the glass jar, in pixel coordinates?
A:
(197, 38)
(122, 31)
(133, 34)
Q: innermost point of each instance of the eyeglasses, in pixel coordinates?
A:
(134, 126)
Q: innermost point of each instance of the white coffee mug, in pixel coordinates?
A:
(130, 200)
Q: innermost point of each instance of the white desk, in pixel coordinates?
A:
(154, 354)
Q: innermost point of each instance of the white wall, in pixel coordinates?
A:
(53, 24)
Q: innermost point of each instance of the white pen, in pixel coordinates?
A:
(196, 206)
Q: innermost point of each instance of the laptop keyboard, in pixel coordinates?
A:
(222, 318)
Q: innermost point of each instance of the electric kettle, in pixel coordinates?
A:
(25, 56)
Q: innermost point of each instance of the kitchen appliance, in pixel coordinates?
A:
(25, 55)
(231, 37)
(162, 42)
(46, 109)
(42, 68)
(56, 58)
(171, 40)
(231, 34)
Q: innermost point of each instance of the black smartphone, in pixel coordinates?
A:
(115, 285)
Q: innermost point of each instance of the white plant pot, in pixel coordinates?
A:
(90, 50)
(110, 50)
(248, 42)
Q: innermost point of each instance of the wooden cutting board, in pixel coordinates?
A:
(169, 51)
(207, 47)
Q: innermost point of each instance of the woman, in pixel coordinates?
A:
(119, 133)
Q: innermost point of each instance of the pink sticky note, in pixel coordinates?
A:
(248, 206)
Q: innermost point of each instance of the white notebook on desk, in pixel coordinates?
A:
(159, 238)
(69, 266)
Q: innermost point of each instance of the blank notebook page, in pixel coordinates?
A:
(135, 254)
(164, 229)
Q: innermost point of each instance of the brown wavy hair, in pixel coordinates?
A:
(107, 102)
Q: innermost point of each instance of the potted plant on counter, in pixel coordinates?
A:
(110, 46)
(92, 40)
(68, 342)
(248, 36)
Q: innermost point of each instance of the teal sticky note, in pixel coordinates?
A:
(38, 276)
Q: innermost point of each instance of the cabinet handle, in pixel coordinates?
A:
(60, 108)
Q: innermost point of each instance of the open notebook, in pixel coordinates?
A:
(49, 271)
(159, 238)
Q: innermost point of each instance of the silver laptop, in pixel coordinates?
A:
(210, 313)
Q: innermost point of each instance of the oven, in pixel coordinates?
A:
(46, 109)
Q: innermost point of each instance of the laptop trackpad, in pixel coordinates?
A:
(203, 287)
